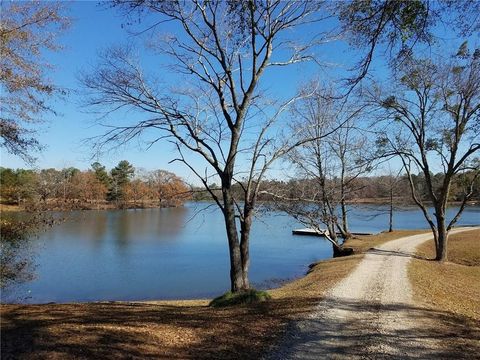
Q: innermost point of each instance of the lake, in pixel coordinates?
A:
(175, 253)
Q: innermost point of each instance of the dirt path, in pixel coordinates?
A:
(371, 314)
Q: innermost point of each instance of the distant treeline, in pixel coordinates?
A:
(127, 187)
(96, 188)
(365, 189)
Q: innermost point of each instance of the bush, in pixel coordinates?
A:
(240, 298)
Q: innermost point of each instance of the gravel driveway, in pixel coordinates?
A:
(371, 314)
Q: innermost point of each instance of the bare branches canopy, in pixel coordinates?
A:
(222, 49)
(432, 123)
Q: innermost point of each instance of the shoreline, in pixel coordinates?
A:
(104, 207)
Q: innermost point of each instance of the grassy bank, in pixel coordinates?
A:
(171, 329)
(452, 289)
(453, 286)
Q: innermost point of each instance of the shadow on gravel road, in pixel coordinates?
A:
(375, 251)
(429, 334)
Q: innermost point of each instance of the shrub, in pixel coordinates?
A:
(240, 298)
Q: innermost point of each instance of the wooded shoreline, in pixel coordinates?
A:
(105, 205)
(87, 206)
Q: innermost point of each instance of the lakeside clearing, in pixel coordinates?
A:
(185, 329)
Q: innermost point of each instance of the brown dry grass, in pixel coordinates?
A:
(8, 207)
(168, 329)
(463, 248)
(452, 286)
(135, 331)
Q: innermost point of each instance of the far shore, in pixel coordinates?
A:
(85, 206)
(4, 207)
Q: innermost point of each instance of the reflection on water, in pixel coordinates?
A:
(164, 253)
(18, 250)
(123, 227)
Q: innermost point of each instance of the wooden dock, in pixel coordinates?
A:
(321, 232)
(311, 232)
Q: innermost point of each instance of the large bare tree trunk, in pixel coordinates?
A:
(340, 250)
(244, 249)
(236, 273)
(442, 238)
(343, 205)
(337, 250)
(345, 231)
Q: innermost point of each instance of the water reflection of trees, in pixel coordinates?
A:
(121, 227)
(17, 248)
(148, 225)
(89, 226)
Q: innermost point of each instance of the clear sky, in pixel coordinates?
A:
(95, 27)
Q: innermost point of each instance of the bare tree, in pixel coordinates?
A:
(325, 166)
(392, 182)
(219, 114)
(350, 151)
(433, 125)
(392, 194)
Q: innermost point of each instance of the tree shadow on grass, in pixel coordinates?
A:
(140, 330)
(150, 331)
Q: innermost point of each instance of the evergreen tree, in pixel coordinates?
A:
(101, 173)
(120, 177)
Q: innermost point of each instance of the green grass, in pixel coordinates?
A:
(243, 297)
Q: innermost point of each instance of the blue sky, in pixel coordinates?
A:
(95, 27)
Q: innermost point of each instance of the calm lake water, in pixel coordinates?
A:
(173, 253)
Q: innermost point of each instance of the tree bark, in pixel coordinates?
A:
(390, 220)
(339, 251)
(236, 276)
(336, 250)
(244, 249)
(345, 235)
(442, 237)
(331, 231)
(345, 231)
